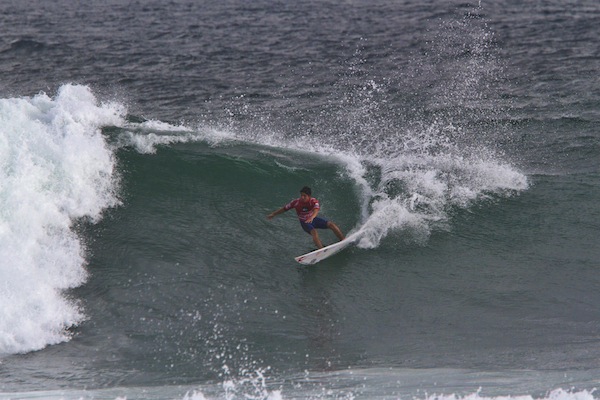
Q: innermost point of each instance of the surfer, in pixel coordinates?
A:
(307, 208)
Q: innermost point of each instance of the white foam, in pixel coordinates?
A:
(55, 167)
(557, 394)
(147, 136)
(416, 192)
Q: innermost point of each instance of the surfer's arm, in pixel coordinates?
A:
(313, 216)
(277, 212)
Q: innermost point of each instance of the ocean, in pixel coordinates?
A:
(143, 143)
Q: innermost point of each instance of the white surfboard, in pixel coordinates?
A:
(320, 254)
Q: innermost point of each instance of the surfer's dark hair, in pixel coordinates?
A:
(306, 190)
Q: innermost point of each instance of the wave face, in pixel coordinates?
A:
(60, 169)
(409, 181)
(55, 169)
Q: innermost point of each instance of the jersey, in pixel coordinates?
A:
(304, 210)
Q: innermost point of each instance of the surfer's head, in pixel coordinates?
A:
(305, 193)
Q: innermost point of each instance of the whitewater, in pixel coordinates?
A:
(56, 170)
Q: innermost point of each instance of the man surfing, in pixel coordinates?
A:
(307, 208)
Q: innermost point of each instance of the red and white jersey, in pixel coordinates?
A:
(304, 210)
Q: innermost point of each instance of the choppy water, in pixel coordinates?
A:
(142, 144)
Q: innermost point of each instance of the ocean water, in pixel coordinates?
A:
(143, 143)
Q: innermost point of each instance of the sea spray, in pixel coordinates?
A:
(412, 164)
(415, 164)
(55, 168)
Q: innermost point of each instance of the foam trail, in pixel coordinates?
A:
(55, 168)
(416, 192)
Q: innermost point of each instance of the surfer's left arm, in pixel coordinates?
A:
(277, 212)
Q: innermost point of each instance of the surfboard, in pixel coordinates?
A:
(320, 254)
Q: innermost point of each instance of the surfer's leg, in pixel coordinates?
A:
(316, 239)
(336, 230)
(310, 229)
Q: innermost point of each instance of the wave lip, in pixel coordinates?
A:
(55, 168)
